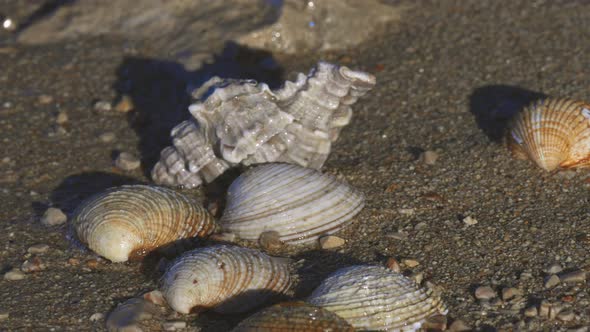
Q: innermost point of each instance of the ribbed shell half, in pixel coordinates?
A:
(243, 122)
(553, 133)
(131, 221)
(376, 298)
(228, 279)
(294, 317)
(301, 204)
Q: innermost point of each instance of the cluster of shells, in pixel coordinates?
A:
(289, 132)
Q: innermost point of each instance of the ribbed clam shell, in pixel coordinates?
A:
(376, 298)
(301, 204)
(553, 133)
(228, 279)
(131, 221)
(293, 317)
(242, 122)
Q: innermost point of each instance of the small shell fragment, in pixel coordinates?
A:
(295, 317)
(300, 204)
(554, 133)
(131, 221)
(376, 298)
(227, 279)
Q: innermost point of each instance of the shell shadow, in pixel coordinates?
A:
(76, 188)
(494, 105)
(161, 90)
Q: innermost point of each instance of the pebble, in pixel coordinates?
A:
(173, 325)
(331, 242)
(38, 249)
(410, 263)
(125, 104)
(73, 261)
(469, 221)
(553, 268)
(393, 265)
(573, 277)
(428, 157)
(33, 265)
(53, 216)
(127, 162)
(92, 263)
(418, 277)
(45, 99)
(436, 323)
(544, 309)
(14, 274)
(107, 137)
(552, 281)
(96, 317)
(270, 240)
(62, 118)
(509, 293)
(566, 316)
(484, 293)
(406, 212)
(459, 326)
(530, 311)
(4, 315)
(103, 106)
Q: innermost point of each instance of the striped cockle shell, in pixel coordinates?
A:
(294, 317)
(227, 279)
(243, 122)
(130, 221)
(554, 133)
(300, 204)
(376, 298)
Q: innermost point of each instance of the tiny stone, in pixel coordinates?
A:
(406, 212)
(410, 263)
(435, 322)
(530, 311)
(127, 162)
(459, 326)
(428, 157)
(107, 137)
(552, 281)
(38, 249)
(173, 325)
(393, 265)
(573, 277)
(270, 240)
(484, 293)
(125, 104)
(544, 309)
(4, 315)
(556, 308)
(418, 277)
(553, 268)
(45, 99)
(14, 274)
(53, 216)
(469, 220)
(331, 242)
(401, 236)
(62, 117)
(73, 261)
(102, 106)
(33, 265)
(96, 317)
(92, 263)
(510, 293)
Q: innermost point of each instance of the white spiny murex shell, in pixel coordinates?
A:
(376, 298)
(130, 221)
(554, 133)
(243, 122)
(227, 279)
(300, 204)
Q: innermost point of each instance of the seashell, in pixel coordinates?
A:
(293, 316)
(376, 298)
(130, 221)
(300, 204)
(242, 122)
(228, 279)
(553, 133)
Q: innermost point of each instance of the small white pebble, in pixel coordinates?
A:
(552, 281)
(173, 325)
(410, 262)
(62, 118)
(38, 249)
(553, 268)
(127, 162)
(406, 212)
(469, 221)
(102, 106)
(96, 317)
(459, 326)
(509, 293)
(573, 277)
(428, 157)
(331, 242)
(53, 216)
(14, 274)
(484, 293)
(107, 137)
